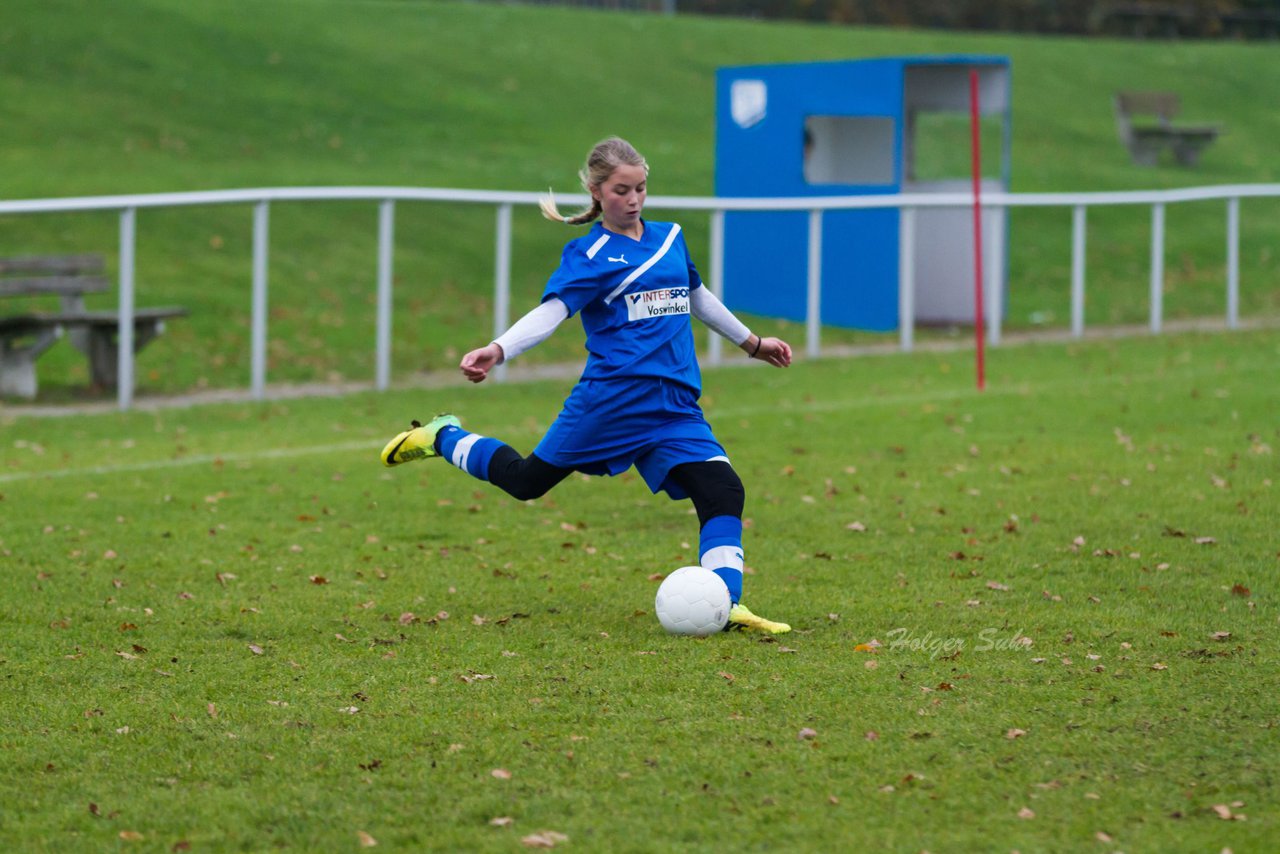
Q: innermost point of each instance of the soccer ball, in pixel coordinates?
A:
(694, 601)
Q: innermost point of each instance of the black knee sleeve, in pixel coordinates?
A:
(714, 488)
(523, 478)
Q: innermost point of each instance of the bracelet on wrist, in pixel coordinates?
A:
(759, 341)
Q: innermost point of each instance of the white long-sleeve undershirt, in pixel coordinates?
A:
(707, 307)
(532, 329)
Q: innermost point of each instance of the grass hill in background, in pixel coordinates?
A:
(160, 95)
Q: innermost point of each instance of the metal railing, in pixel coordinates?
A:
(503, 202)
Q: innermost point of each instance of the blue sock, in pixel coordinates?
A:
(470, 452)
(720, 547)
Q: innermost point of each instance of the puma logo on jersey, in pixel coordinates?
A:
(621, 259)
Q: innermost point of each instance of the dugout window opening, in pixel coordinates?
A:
(849, 150)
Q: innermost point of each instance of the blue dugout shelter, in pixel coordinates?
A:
(875, 126)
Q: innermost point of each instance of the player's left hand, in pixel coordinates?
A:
(477, 364)
(775, 351)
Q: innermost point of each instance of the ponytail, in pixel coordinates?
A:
(549, 210)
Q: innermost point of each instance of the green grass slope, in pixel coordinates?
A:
(159, 95)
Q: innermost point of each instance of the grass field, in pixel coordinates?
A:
(211, 94)
(1039, 618)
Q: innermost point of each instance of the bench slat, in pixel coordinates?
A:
(74, 318)
(71, 264)
(20, 324)
(53, 285)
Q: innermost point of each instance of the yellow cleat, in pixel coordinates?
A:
(418, 442)
(740, 617)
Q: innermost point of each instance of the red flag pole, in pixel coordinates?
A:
(977, 223)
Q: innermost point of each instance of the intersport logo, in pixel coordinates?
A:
(659, 302)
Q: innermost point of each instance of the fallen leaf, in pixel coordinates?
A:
(807, 733)
(1159, 666)
(1223, 811)
(366, 841)
(318, 579)
(1205, 541)
(212, 710)
(502, 821)
(500, 774)
(1015, 733)
(1026, 812)
(1220, 636)
(255, 649)
(131, 836)
(996, 585)
(408, 617)
(728, 677)
(872, 735)
(544, 839)
(1240, 590)
(1102, 837)
(350, 710)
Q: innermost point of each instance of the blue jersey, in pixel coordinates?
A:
(634, 299)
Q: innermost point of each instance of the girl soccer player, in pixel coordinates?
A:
(636, 403)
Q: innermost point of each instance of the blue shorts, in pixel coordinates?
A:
(608, 426)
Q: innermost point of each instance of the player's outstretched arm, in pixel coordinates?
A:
(527, 332)
(775, 351)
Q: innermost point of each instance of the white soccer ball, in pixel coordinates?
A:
(694, 601)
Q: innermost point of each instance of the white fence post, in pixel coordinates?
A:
(715, 344)
(1077, 269)
(907, 279)
(502, 280)
(386, 240)
(995, 280)
(1157, 266)
(813, 304)
(124, 309)
(1233, 263)
(258, 328)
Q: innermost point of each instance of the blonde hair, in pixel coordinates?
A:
(606, 156)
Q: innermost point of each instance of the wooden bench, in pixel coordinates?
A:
(1146, 142)
(25, 336)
